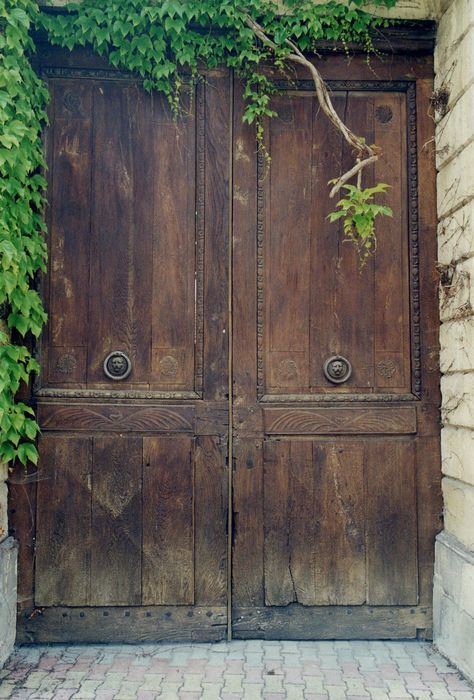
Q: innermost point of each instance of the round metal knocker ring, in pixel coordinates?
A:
(117, 365)
(337, 369)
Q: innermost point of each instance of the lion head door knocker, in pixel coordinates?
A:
(117, 365)
(337, 369)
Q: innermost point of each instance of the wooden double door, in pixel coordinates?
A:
(199, 467)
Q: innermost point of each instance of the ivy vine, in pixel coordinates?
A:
(159, 40)
(23, 98)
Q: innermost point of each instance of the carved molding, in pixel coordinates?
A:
(114, 394)
(346, 85)
(200, 232)
(88, 73)
(260, 275)
(413, 230)
(409, 87)
(120, 418)
(41, 388)
(335, 398)
(329, 421)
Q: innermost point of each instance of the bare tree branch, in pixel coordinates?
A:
(324, 99)
(356, 170)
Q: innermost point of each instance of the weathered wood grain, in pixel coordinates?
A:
(63, 522)
(124, 624)
(217, 170)
(168, 521)
(210, 516)
(173, 204)
(248, 535)
(278, 580)
(121, 242)
(391, 279)
(116, 538)
(391, 539)
(335, 622)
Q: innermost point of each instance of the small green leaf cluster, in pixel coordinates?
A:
(161, 39)
(23, 98)
(358, 212)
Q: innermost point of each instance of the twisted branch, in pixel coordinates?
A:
(324, 99)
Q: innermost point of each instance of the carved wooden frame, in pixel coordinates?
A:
(55, 72)
(409, 88)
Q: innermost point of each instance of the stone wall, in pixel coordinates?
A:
(454, 100)
(8, 564)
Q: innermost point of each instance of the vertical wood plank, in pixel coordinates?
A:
(392, 323)
(327, 523)
(69, 230)
(287, 240)
(429, 510)
(279, 584)
(340, 552)
(217, 171)
(173, 204)
(210, 540)
(63, 522)
(304, 521)
(355, 298)
(121, 253)
(325, 331)
(391, 538)
(248, 541)
(244, 256)
(168, 527)
(116, 521)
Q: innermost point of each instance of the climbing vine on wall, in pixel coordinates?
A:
(23, 98)
(160, 40)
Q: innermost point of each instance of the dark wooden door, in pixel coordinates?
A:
(336, 485)
(131, 501)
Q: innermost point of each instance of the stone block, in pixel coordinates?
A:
(8, 578)
(458, 510)
(458, 399)
(455, 69)
(457, 294)
(456, 235)
(457, 449)
(456, 22)
(456, 182)
(457, 345)
(454, 602)
(456, 130)
(411, 9)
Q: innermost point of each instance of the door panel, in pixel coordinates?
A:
(124, 259)
(315, 302)
(327, 489)
(131, 515)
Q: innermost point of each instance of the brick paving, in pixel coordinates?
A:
(227, 671)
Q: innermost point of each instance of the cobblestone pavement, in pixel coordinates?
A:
(250, 669)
